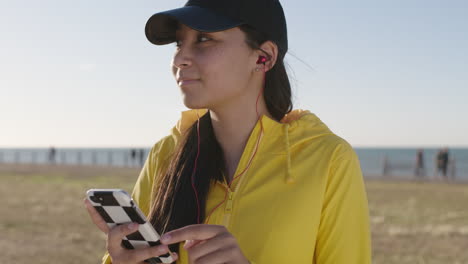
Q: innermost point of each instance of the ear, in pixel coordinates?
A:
(272, 53)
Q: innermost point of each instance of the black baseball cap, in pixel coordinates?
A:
(266, 16)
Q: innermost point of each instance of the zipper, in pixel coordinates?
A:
(228, 208)
(229, 202)
(230, 199)
(232, 194)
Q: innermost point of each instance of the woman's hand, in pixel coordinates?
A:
(118, 254)
(207, 244)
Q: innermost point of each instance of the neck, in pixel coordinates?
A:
(232, 128)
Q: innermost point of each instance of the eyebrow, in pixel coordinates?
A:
(177, 33)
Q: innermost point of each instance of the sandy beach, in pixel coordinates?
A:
(44, 218)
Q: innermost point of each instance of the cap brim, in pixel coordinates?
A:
(160, 28)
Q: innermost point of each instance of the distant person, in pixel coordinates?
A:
(52, 154)
(133, 156)
(442, 162)
(419, 166)
(445, 162)
(385, 166)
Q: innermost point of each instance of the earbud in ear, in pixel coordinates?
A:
(261, 60)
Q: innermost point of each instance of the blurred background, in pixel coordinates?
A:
(84, 96)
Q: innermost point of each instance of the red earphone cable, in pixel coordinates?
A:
(195, 169)
(261, 127)
(256, 146)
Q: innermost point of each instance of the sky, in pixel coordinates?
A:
(378, 73)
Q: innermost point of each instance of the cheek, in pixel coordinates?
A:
(225, 72)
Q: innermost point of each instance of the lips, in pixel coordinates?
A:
(185, 81)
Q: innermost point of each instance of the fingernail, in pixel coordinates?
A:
(188, 244)
(132, 226)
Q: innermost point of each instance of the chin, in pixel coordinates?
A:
(192, 103)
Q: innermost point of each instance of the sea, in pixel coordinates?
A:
(400, 162)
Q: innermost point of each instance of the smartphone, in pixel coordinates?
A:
(117, 207)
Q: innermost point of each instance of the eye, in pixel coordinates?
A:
(200, 38)
(203, 37)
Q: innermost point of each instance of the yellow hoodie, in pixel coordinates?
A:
(301, 201)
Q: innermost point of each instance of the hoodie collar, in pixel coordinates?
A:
(283, 127)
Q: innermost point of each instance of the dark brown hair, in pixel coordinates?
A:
(174, 204)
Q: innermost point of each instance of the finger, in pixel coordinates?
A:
(139, 255)
(116, 235)
(192, 232)
(95, 217)
(217, 243)
(191, 243)
(224, 255)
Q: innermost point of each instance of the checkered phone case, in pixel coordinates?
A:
(116, 207)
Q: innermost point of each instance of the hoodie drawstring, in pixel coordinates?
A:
(289, 177)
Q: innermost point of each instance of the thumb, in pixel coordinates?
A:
(96, 217)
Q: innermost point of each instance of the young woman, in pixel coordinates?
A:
(243, 178)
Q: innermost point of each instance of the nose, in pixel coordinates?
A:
(182, 58)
